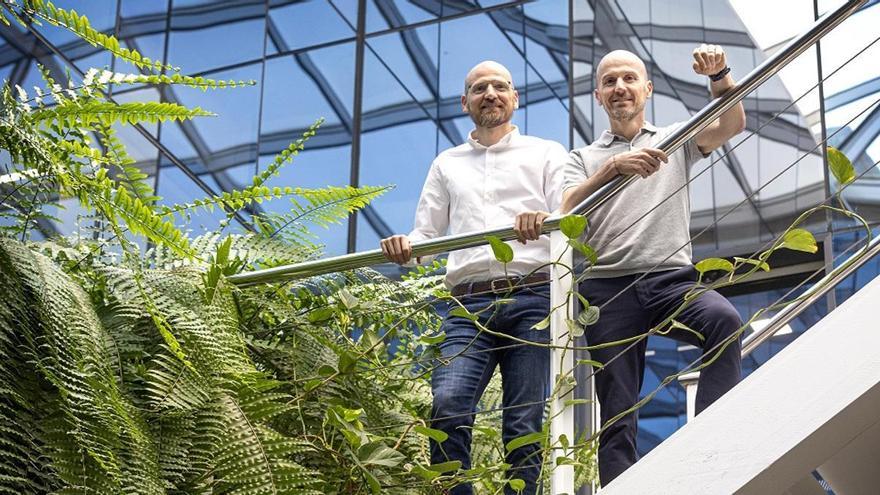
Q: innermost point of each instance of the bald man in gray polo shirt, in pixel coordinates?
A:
(643, 242)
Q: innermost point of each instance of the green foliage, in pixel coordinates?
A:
(130, 373)
(585, 249)
(799, 240)
(502, 251)
(840, 166)
(713, 264)
(573, 226)
(74, 114)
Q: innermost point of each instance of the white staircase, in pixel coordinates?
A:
(813, 406)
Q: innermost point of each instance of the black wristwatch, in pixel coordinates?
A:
(720, 74)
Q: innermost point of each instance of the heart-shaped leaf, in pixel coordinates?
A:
(573, 226)
(517, 484)
(588, 316)
(502, 251)
(840, 166)
(712, 264)
(799, 240)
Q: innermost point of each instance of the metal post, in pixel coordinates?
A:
(561, 364)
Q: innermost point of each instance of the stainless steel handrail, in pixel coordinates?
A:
(819, 289)
(671, 143)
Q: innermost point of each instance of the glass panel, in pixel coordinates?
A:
(303, 24)
(395, 13)
(231, 39)
(408, 56)
(237, 111)
(382, 165)
(131, 10)
(299, 89)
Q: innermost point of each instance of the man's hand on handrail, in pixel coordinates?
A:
(528, 225)
(397, 249)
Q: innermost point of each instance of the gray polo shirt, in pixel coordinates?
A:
(625, 242)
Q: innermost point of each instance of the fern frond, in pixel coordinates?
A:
(321, 207)
(88, 113)
(257, 192)
(80, 26)
(82, 422)
(138, 216)
(99, 78)
(254, 458)
(127, 174)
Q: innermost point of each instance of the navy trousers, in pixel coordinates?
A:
(635, 311)
(472, 357)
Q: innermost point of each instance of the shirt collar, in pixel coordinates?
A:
(607, 136)
(504, 141)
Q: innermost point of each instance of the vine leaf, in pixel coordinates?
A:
(799, 240)
(588, 316)
(541, 325)
(444, 467)
(463, 313)
(502, 251)
(681, 326)
(573, 226)
(712, 264)
(574, 329)
(760, 264)
(438, 436)
(432, 339)
(585, 249)
(840, 166)
(526, 439)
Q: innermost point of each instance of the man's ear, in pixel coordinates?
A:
(515, 99)
(464, 107)
(650, 86)
(596, 96)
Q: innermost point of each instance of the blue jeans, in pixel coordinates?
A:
(525, 373)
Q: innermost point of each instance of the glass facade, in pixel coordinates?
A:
(386, 75)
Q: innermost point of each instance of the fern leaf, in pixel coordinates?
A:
(86, 114)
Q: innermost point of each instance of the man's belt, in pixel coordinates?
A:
(501, 285)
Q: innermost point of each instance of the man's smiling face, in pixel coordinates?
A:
(623, 87)
(489, 96)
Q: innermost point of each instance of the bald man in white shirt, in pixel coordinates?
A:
(498, 178)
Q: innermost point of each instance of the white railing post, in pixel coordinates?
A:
(561, 365)
(689, 383)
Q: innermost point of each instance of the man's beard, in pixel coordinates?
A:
(622, 115)
(491, 117)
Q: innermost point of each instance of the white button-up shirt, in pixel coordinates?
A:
(473, 187)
